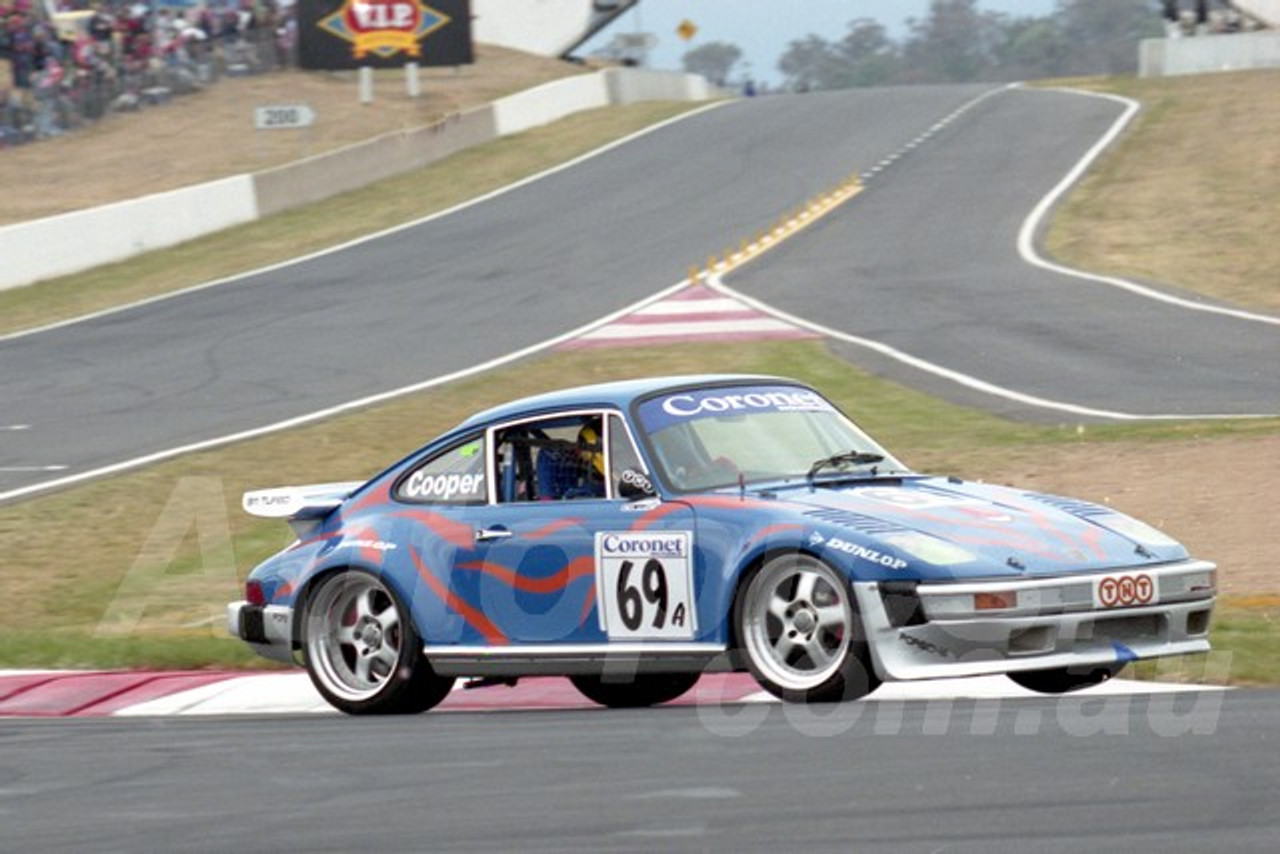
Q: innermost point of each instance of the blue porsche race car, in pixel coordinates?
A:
(634, 535)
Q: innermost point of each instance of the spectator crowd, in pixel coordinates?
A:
(1202, 17)
(75, 62)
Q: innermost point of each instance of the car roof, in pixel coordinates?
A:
(618, 395)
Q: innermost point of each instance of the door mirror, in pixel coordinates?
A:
(635, 484)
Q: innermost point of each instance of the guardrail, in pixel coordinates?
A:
(70, 243)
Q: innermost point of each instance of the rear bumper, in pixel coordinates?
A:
(1056, 623)
(266, 628)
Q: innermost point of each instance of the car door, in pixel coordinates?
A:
(568, 551)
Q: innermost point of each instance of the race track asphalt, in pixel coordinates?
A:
(924, 259)
(1172, 773)
(440, 296)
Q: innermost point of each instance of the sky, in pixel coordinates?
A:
(762, 29)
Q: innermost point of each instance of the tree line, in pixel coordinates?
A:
(958, 42)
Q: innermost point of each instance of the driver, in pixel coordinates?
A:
(591, 464)
(573, 470)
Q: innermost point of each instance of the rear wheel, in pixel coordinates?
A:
(362, 651)
(644, 689)
(1062, 680)
(800, 632)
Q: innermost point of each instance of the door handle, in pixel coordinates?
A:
(495, 533)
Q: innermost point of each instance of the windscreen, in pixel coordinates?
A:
(708, 438)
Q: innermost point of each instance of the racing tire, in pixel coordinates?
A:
(800, 633)
(1063, 680)
(644, 689)
(362, 651)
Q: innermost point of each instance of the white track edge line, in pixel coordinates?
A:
(957, 377)
(302, 259)
(1026, 234)
(714, 281)
(1025, 238)
(338, 409)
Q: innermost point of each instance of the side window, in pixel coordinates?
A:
(624, 460)
(556, 459)
(455, 476)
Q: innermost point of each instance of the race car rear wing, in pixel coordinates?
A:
(302, 506)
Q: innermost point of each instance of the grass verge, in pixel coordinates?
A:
(1187, 197)
(1246, 648)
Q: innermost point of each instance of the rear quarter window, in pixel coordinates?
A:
(453, 476)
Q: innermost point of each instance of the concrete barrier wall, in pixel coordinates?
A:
(61, 245)
(1206, 54)
(549, 102)
(330, 174)
(628, 86)
(81, 240)
(333, 173)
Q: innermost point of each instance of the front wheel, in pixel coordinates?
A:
(799, 630)
(644, 689)
(1062, 680)
(362, 651)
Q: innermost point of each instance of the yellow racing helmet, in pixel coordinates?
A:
(590, 448)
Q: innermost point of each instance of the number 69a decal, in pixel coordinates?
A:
(644, 584)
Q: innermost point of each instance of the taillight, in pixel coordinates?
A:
(253, 593)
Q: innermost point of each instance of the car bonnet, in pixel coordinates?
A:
(1014, 531)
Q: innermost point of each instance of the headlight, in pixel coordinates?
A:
(929, 549)
(1139, 532)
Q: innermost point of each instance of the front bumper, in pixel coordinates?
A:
(266, 628)
(1051, 623)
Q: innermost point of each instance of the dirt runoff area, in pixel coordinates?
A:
(1217, 496)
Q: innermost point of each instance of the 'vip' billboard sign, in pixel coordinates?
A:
(383, 33)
